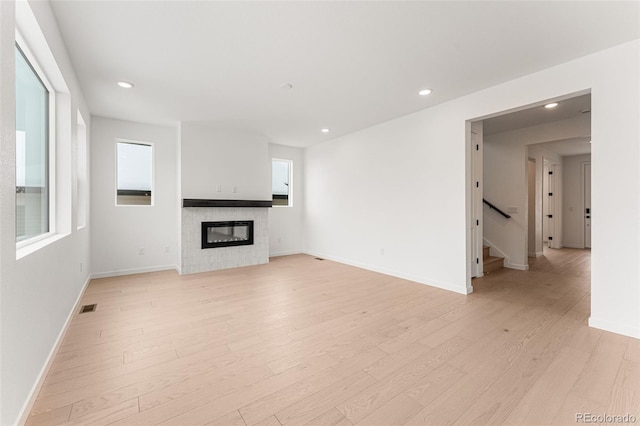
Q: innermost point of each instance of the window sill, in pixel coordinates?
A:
(25, 248)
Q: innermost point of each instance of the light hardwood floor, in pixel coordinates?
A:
(306, 341)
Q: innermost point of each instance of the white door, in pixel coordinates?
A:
(587, 205)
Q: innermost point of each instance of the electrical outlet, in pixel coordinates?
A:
(166, 249)
(141, 252)
(235, 189)
(219, 188)
(382, 251)
(80, 266)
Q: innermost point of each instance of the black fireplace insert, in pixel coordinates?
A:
(227, 234)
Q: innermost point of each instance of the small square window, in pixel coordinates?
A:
(281, 171)
(134, 174)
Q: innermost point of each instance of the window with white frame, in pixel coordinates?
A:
(281, 180)
(134, 174)
(33, 147)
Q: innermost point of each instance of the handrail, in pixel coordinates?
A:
(491, 206)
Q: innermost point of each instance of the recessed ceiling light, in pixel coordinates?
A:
(125, 84)
(551, 105)
(424, 92)
(286, 86)
(325, 130)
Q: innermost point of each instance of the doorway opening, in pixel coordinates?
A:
(532, 164)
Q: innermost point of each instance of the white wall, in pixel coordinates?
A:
(505, 186)
(285, 223)
(217, 160)
(391, 198)
(409, 175)
(121, 231)
(615, 292)
(7, 168)
(573, 200)
(39, 290)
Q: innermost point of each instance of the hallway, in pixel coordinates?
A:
(559, 281)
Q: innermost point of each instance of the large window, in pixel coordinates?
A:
(134, 174)
(33, 190)
(281, 182)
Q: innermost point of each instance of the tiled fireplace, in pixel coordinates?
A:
(221, 234)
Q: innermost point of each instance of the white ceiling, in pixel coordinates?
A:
(568, 147)
(352, 64)
(537, 115)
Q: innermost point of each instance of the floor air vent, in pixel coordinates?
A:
(88, 308)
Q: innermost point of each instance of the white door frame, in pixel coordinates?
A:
(531, 207)
(552, 209)
(586, 222)
(546, 223)
(474, 219)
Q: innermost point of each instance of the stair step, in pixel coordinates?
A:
(492, 263)
(485, 252)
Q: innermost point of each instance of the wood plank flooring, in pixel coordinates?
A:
(306, 341)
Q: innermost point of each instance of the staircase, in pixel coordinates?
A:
(491, 263)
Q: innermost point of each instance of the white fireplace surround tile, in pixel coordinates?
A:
(195, 259)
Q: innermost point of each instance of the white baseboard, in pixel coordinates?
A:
(613, 327)
(35, 390)
(134, 271)
(433, 283)
(517, 266)
(285, 253)
(575, 246)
